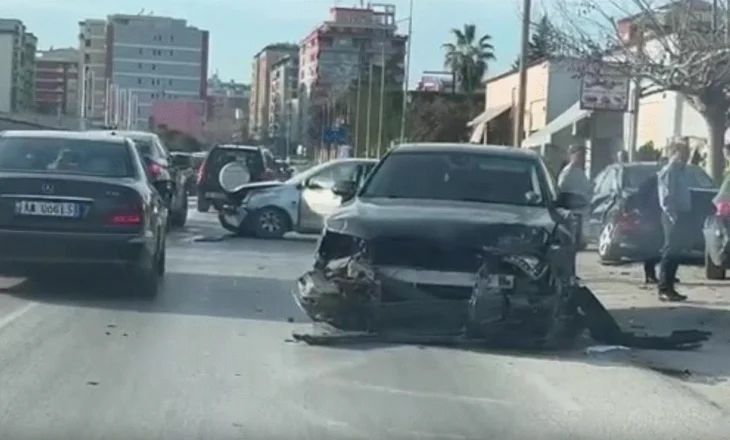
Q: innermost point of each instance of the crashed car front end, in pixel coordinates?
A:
(510, 279)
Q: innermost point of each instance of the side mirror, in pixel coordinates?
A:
(571, 201)
(345, 189)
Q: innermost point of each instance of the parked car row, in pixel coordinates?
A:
(625, 230)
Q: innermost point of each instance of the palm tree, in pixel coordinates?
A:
(468, 57)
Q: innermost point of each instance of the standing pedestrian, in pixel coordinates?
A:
(675, 201)
(622, 156)
(573, 179)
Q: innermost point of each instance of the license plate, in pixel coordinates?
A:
(499, 281)
(215, 195)
(48, 209)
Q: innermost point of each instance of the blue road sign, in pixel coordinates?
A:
(335, 135)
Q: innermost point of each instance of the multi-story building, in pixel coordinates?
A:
(228, 107)
(17, 66)
(283, 87)
(258, 115)
(142, 59)
(341, 49)
(56, 81)
(92, 67)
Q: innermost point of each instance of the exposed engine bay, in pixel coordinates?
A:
(513, 285)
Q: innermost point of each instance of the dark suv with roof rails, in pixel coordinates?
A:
(258, 160)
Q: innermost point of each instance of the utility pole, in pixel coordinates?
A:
(382, 98)
(82, 109)
(370, 103)
(522, 95)
(407, 74)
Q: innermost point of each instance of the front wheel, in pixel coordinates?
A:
(608, 251)
(270, 223)
(179, 218)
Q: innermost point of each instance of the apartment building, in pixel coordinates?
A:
(17, 66)
(258, 122)
(142, 59)
(284, 87)
(56, 81)
(227, 113)
(341, 48)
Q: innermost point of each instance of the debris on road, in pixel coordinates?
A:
(601, 349)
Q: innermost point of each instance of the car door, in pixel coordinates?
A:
(604, 191)
(317, 200)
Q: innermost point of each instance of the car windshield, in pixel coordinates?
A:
(301, 177)
(477, 177)
(636, 175)
(67, 156)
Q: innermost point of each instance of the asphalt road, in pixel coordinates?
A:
(209, 359)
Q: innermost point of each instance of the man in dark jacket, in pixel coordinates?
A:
(675, 201)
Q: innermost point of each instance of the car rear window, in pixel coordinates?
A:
(222, 156)
(66, 156)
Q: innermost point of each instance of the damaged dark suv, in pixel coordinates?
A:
(448, 238)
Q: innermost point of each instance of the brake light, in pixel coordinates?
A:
(126, 216)
(155, 169)
(723, 209)
(201, 171)
(627, 221)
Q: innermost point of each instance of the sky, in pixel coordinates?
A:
(240, 28)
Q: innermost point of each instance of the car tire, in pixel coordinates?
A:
(203, 205)
(147, 280)
(608, 252)
(270, 223)
(713, 271)
(180, 217)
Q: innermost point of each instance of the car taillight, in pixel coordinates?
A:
(723, 209)
(155, 169)
(201, 172)
(627, 221)
(127, 215)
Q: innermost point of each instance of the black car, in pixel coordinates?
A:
(621, 226)
(717, 235)
(79, 199)
(454, 235)
(258, 160)
(161, 166)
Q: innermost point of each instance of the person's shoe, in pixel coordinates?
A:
(650, 279)
(671, 295)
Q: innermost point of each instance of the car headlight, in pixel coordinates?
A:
(528, 237)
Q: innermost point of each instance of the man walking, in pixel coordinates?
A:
(676, 203)
(572, 179)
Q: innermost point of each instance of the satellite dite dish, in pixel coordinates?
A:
(233, 175)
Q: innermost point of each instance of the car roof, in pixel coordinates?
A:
(134, 135)
(239, 147)
(355, 160)
(62, 134)
(448, 147)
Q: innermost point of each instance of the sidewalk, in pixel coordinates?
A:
(636, 308)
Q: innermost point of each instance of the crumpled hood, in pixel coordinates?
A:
(253, 186)
(440, 220)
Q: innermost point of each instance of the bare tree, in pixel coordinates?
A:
(680, 46)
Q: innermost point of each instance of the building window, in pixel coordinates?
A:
(169, 82)
(139, 65)
(139, 80)
(172, 38)
(140, 51)
(87, 58)
(170, 53)
(154, 67)
(152, 95)
(87, 43)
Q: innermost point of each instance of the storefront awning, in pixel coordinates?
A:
(566, 119)
(488, 114)
(479, 124)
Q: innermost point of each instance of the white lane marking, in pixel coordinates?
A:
(418, 394)
(15, 314)
(552, 392)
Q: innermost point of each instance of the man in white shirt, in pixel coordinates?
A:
(573, 179)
